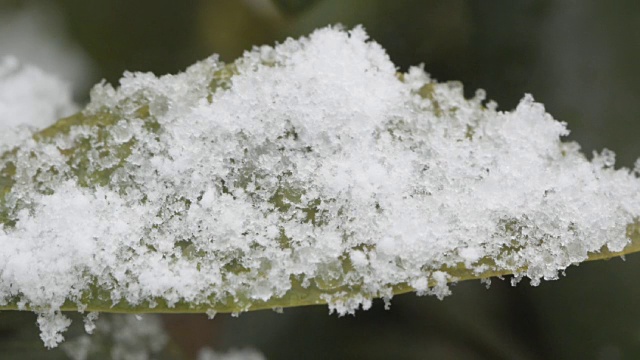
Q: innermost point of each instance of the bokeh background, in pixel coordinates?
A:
(579, 58)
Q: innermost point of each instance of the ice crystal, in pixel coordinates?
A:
(308, 167)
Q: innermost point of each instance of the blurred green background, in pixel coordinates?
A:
(579, 58)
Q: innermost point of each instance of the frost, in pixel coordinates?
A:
(308, 168)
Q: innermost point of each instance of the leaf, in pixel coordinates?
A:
(295, 177)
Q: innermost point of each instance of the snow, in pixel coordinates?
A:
(315, 163)
(52, 325)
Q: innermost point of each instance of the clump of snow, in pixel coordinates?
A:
(89, 322)
(52, 325)
(309, 166)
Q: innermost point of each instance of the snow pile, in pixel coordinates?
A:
(314, 168)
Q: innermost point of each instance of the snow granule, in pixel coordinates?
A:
(310, 166)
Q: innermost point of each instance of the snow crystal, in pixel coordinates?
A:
(89, 322)
(309, 166)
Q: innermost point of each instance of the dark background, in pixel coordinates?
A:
(579, 58)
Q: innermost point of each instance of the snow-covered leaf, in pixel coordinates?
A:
(307, 173)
